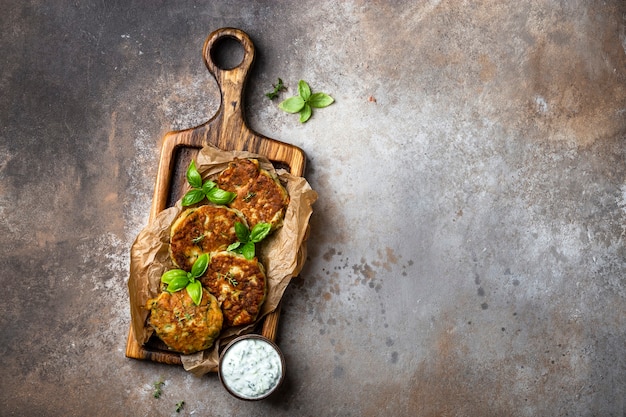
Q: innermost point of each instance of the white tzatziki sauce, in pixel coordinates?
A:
(251, 368)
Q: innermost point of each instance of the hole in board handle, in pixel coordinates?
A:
(227, 53)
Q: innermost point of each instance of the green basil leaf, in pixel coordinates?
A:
(194, 289)
(200, 265)
(242, 232)
(208, 186)
(172, 274)
(233, 246)
(320, 100)
(248, 250)
(259, 232)
(219, 196)
(193, 176)
(178, 283)
(304, 90)
(193, 196)
(305, 114)
(292, 104)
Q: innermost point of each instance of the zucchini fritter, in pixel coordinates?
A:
(183, 326)
(199, 230)
(238, 284)
(260, 195)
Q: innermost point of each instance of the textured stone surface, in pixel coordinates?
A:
(467, 251)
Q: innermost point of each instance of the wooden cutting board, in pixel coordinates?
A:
(227, 130)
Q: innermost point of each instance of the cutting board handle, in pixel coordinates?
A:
(230, 119)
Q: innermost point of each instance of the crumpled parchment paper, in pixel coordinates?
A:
(283, 254)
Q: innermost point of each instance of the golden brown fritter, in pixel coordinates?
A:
(183, 326)
(239, 174)
(199, 230)
(260, 195)
(238, 284)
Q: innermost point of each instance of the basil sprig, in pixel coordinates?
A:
(247, 238)
(305, 102)
(277, 89)
(207, 189)
(177, 279)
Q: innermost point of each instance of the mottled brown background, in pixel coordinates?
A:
(467, 254)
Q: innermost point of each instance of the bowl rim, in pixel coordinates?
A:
(246, 337)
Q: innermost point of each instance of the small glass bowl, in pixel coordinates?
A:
(229, 382)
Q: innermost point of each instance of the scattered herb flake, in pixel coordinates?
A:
(179, 406)
(231, 280)
(158, 389)
(249, 196)
(198, 239)
(277, 89)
